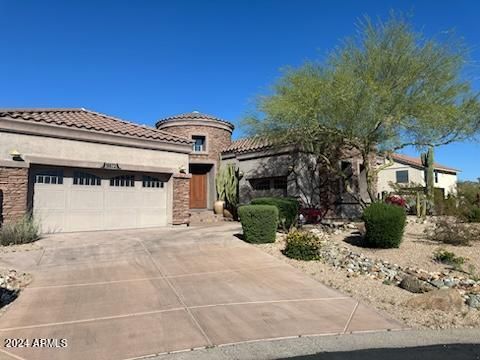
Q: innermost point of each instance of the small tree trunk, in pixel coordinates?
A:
(371, 176)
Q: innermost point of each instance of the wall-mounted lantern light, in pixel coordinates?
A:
(16, 156)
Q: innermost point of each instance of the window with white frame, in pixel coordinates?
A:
(199, 143)
(49, 177)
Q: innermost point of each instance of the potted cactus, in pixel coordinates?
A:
(220, 186)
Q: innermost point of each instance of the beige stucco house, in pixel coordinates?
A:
(80, 170)
(407, 170)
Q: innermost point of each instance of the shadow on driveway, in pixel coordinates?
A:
(435, 352)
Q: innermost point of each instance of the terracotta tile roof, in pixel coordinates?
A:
(409, 160)
(249, 145)
(194, 115)
(90, 120)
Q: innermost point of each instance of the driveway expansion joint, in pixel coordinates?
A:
(351, 317)
(179, 297)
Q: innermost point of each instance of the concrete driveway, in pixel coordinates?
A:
(128, 294)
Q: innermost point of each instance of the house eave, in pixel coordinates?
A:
(53, 131)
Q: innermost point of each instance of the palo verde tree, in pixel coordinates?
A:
(386, 88)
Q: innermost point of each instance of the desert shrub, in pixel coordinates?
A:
(22, 231)
(259, 223)
(452, 231)
(449, 258)
(473, 214)
(445, 206)
(287, 209)
(302, 245)
(384, 224)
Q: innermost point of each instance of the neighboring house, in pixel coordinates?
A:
(409, 170)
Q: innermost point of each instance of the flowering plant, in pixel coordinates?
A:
(396, 200)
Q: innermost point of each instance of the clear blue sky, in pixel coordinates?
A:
(143, 60)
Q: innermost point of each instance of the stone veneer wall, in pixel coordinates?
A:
(14, 189)
(217, 139)
(181, 199)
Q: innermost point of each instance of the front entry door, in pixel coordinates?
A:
(198, 191)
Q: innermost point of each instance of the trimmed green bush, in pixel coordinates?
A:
(384, 224)
(302, 245)
(23, 231)
(287, 209)
(259, 223)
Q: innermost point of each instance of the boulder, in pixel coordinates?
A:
(443, 299)
(414, 285)
(474, 301)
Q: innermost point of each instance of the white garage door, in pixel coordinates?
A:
(81, 200)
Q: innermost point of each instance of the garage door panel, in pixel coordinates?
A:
(118, 199)
(49, 197)
(86, 199)
(149, 218)
(84, 220)
(67, 206)
(153, 199)
(121, 219)
(51, 221)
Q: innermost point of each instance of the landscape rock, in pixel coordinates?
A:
(474, 301)
(356, 264)
(437, 283)
(11, 283)
(442, 299)
(415, 285)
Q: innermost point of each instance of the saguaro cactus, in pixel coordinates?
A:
(427, 162)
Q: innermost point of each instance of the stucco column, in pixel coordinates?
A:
(181, 199)
(13, 191)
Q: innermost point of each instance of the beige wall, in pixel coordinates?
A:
(85, 151)
(446, 180)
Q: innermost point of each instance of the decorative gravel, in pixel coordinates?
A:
(372, 275)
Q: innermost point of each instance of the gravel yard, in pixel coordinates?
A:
(415, 249)
(385, 296)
